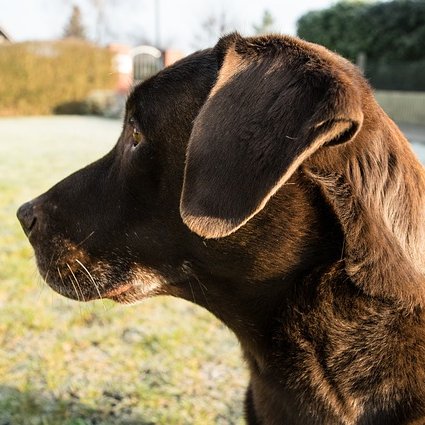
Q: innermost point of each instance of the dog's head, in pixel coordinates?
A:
(248, 161)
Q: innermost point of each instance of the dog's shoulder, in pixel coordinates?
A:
(337, 346)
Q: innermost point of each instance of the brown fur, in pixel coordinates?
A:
(271, 189)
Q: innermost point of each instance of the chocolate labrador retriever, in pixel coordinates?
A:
(264, 170)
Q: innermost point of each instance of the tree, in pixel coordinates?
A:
(75, 27)
(101, 20)
(213, 27)
(266, 25)
(393, 31)
(396, 30)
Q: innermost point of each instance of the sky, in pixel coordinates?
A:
(134, 21)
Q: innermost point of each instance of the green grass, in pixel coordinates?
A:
(163, 361)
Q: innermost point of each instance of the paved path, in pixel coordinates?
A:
(415, 133)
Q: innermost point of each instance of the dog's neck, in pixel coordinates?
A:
(248, 309)
(254, 311)
(252, 300)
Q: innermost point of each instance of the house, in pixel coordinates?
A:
(139, 63)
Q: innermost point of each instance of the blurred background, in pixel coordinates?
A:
(66, 67)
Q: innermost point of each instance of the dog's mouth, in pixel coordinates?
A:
(95, 282)
(70, 271)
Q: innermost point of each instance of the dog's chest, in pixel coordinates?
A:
(338, 355)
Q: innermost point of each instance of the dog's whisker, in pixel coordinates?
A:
(80, 308)
(72, 283)
(84, 240)
(191, 290)
(202, 287)
(76, 281)
(60, 275)
(60, 254)
(189, 273)
(75, 289)
(93, 281)
(49, 267)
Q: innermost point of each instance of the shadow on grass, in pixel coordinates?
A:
(31, 408)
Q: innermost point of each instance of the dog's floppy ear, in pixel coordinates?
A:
(377, 191)
(274, 103)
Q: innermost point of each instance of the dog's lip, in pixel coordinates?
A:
(120, 289)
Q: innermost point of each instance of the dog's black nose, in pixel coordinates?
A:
(27, 217)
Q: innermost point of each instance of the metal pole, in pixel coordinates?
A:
(361, 61)
(157, 24)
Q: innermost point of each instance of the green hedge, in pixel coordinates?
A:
(401, 76)
(44, 77)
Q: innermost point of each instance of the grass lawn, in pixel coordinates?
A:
(163, 361)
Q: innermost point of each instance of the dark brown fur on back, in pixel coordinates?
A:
(267, 174)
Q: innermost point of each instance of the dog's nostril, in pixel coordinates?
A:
(27, 217)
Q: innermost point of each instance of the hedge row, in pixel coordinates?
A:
(44, 77)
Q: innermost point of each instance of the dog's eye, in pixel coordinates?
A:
(137, 136)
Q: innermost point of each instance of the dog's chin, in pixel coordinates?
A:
(77, 275)
(72, 293)
(127, 292)
(100, 281)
